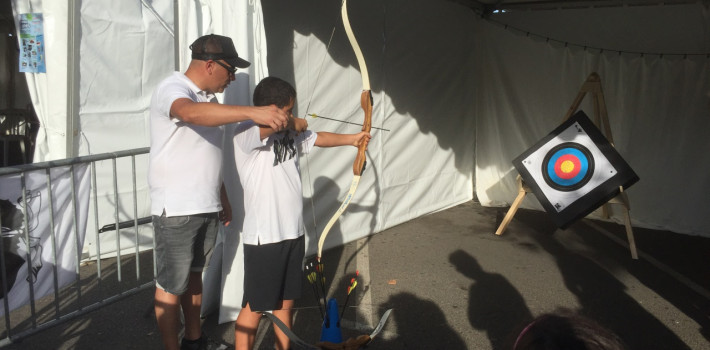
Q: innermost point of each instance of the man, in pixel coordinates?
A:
(185, 178)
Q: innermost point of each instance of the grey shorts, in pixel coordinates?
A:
(272, 273)
(183, 244)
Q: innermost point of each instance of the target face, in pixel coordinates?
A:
(568, 167)
(574, 170)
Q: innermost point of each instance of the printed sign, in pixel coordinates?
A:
(32, 43)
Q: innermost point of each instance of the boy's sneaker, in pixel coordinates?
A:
(210, 344)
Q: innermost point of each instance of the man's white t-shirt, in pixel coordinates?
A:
(273, 199)
(185, 171)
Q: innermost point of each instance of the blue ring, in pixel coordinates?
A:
(583, 161)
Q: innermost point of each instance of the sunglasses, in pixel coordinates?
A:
(230, 69)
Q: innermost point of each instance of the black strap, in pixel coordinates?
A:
(294, 338)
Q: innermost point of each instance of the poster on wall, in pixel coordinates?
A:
(32, 59)
(36, 253)
(574, 170)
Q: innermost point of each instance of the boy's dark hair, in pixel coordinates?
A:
(273, 91)
(565, 330)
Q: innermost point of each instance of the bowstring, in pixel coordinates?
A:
(308, 106)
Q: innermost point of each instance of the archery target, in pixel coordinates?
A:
(574, 170)
(568, 167)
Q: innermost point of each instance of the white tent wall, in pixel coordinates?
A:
(120, 55)
(658, 105)
(453, 93)
(421, 163)
(123, 50)
(415, 164)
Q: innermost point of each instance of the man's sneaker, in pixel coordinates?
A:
(203, 343)
(190, 344)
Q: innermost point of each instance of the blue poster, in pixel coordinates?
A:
(32, 43)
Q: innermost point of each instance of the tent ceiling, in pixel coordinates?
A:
(486, 7)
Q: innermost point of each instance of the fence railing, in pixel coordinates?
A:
(35, 240)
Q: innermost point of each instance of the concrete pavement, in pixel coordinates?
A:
(453, 284)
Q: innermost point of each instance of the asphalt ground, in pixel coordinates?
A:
(453, 284)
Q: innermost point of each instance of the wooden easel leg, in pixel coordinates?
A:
(511, 212)
(601, 120)
(605, 211)
(623, 200)
(630, 234)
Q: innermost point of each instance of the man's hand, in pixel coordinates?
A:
(270, 116)
(225, 215)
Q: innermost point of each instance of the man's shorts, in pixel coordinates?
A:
(183, 244)
(272, 273)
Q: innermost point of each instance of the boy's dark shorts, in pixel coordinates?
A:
(272, 273)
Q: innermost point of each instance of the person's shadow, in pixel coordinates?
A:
(495, 306)
(420, 324)
(602, 296)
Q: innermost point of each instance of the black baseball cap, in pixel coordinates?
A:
(217, 47)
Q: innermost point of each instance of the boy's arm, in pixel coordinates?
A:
(297, 124)
(329, 139)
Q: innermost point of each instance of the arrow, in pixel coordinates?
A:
(312, 279)
(353, 283)
(313, 115)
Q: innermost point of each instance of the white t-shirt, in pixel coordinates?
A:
(273, 201)
(185, 171)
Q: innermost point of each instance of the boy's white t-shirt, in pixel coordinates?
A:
(273, 198)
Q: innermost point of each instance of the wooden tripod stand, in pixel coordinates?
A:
(601, 120)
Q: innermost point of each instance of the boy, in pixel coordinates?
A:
(273, 235)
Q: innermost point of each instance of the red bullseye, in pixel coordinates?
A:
(567, 166)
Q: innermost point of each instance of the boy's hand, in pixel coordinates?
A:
(299, 125)
(270, 116)
(361, 137)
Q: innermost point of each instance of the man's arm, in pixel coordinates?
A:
(225, 216)
(214, 114)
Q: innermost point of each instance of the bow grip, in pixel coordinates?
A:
(360, 160)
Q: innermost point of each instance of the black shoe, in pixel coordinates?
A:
(190, 344)
(203, 343)
(210, 344)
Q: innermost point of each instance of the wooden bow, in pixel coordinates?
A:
(366, 104)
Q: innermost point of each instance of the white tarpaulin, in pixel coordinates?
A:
(657, 94)
(414, 165)
(35, 253)
(454, 96)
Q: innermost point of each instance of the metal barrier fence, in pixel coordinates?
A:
(87, 289)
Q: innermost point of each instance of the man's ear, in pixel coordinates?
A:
(209, 67)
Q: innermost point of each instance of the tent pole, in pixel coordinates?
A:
(72, 72)
(176, 35)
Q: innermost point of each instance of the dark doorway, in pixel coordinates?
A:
(18, 121)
